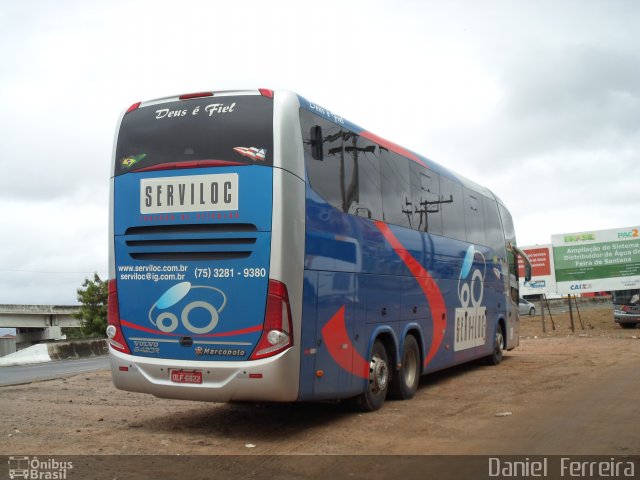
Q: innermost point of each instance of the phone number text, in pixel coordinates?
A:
(250, 272)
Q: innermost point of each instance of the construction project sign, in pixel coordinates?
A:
(543, 275)
(597, 261)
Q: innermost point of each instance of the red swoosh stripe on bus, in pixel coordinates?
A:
(335, 337)
(190, 164)
(393, 147)
(256, 328)
(428, 286)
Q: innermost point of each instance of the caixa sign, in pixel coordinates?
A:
(581, 286)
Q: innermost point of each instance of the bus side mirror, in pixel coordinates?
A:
(316, 142)
(526, 261)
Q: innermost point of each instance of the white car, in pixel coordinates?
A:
(526, 308)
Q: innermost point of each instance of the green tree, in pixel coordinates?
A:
(93, 311)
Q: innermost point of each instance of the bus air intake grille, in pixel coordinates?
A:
(191, 242)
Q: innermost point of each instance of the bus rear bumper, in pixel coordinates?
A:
(273, 379)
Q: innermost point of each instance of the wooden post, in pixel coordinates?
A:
(544, 328)
(573, 328)
(575, 299)
(546, 301)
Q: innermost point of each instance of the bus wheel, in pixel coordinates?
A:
(374, 396)
(405, 382)
(496, 356)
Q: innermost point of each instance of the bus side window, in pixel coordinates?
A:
(332, 176)
(425, 196)
(474, 217)
(510, 238)
(453, 224)
(396, 189)
(507, 225)
(365, 199)
(493, 227)
(513, 275)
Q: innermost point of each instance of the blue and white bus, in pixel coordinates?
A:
(263, 248)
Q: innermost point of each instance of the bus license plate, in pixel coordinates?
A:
(186, 376)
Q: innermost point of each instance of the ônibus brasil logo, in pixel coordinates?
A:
(34, 468)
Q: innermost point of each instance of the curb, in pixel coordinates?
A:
(47, 352)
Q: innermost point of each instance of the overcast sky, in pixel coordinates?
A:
(537, 100)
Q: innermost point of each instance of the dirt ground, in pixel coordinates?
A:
(559, 392)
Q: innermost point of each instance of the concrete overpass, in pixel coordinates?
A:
(35, 323)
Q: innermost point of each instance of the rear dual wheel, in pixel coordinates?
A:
(407, 378)
(373, 397)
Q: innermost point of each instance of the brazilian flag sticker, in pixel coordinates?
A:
(131, 160)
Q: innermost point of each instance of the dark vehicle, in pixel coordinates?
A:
(626, 307)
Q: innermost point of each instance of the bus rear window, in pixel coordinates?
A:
(227, 128)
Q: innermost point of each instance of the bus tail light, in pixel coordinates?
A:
(114, 330)
(133, 107)
(277, 331)
(265, 92)
(188, 96)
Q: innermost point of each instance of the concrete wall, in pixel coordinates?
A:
(7, 346)
(77, 349)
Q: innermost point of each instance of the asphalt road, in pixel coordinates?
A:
(19, 374)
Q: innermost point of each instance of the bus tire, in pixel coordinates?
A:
(498, 347)
(404, 384)
(373, 397)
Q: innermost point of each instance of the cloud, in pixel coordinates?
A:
(539, 101)
(577, 97)
(51, 247)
